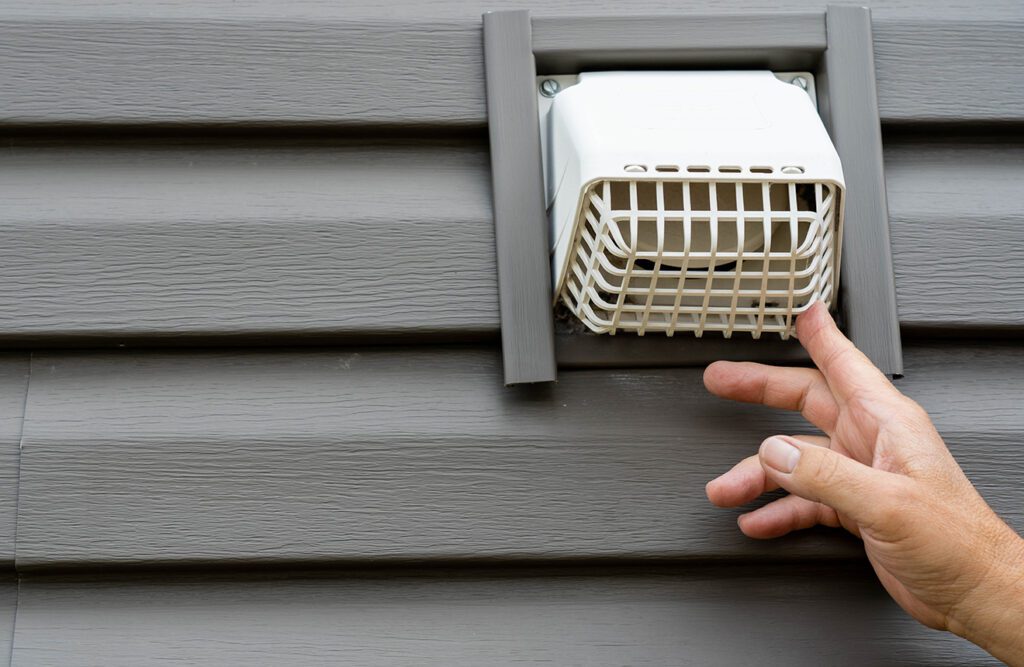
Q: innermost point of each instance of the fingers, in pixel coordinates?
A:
(801, 389)
(846, 369)
(825, 476)
(785, 515)
(746, 480)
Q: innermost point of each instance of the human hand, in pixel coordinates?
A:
(884, 474)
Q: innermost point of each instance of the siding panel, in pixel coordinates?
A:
(13, 387)
(668, 616)
(253, 221)
(109, 242)
(322, 238)
(221, 66)
(8, 607)
(958, 237)
(223, 71)
(925, 69)
(421, 453)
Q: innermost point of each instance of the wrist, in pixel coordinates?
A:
(992, 615)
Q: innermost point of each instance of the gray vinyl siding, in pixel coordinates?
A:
(13, 388)
(14, 370)
(291, 239)
(582, 615)
(114, 240)
(399, 453)
(194, 194)
(113, 65)
(958, 246)
(8, 608)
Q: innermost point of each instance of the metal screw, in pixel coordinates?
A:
(800, 81)
(549, 87)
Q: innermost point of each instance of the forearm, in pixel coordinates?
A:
(993, 618)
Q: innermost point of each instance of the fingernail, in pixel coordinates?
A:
(780, 455)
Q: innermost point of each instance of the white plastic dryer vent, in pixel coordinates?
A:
(690, 201)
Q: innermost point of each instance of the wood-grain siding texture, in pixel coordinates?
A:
(410, 453)
(8, 607)
(413, 63)
(115, 240)
(958, 241)
(578, 616)
(251, 172)
(13, 388)
(332, 238)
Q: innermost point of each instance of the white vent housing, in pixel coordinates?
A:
(691, 201)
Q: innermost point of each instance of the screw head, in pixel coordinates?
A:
(800, 81)
(549, 87)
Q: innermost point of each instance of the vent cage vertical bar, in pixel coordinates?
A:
(737, 283)
(520, 223)
(713, 250)
(794, 241)
(684, 266)
(766, 225)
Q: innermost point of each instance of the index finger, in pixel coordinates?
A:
(800, 389)
(846, 369)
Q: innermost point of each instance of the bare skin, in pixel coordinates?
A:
(883, 473)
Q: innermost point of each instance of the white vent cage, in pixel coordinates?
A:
(691, 201)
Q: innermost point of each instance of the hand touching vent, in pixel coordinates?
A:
(648, 238)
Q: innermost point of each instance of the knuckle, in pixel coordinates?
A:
(827, 516)
(913, 411)
(832, 357)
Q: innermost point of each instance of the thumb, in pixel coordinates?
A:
(822, 475)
